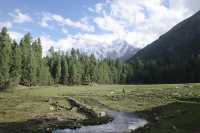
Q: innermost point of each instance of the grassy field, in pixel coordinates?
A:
(171, 108)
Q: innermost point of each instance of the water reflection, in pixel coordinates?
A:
(123, 122)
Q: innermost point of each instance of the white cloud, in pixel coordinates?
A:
(47, 43)
(76, 41)
(93, 39)
(99, 7)
(65, 22)
(16, 35)
(109, 23)
(20, 17)
(57, 18)
(65, 31)
(78, 24)
(140, 22)
(189, 5)
(5, 24)
(44, 21)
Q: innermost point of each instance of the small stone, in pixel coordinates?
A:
(50, 100)
(157, 118)
(60, 119)
(102, 114)
(51, 108)
(112, 92)
(174, 127)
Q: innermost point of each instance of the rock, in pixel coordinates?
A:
(102, 114)
(50, 100)
(74, 109)
(82, 108)
(187, 86)
(60, 119)
(174, 127)
(112, 92)
(176, 94)
(51, 108)
(157, 118)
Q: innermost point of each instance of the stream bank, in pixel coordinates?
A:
(107, 122)
(123, 122)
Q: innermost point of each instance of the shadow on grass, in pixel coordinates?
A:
(47, 125)
(39, 125)
(182, 116)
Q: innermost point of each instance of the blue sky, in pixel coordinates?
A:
(65, 23)
(73, 9)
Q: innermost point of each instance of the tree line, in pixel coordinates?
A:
(23, 63)
(167, 70)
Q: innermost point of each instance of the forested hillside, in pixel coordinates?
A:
(23, 64)
(174, 57)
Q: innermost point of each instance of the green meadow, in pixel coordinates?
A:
(167, 107)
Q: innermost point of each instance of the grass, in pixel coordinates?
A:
(169, 107)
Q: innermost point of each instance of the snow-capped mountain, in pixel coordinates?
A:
(117, 50)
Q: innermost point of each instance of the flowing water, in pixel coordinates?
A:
(122, 123)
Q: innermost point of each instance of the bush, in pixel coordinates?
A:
(4, 85)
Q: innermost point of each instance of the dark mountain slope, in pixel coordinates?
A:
(174, 57)
(181, 41)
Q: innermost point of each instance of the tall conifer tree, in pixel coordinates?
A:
(5, 43)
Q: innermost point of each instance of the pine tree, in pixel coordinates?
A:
(44, 74)
(33, 67)
(25, 46)
(73, 73)
(103, 73)
(24, 63)
(55, 65)
(93, 64)
(15, 63)
(5, 43)
(78, 72)
(37, 50)
(86, 70)
(64, 71)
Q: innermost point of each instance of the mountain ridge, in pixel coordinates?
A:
(173, 58)
(185, 28)
(119, 49)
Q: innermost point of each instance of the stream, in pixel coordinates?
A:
(122, 123)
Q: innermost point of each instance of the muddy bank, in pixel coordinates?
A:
(37, 125)
(47, 124)
(95, 122)
(180, 117)
(82, 108)
(123, 122)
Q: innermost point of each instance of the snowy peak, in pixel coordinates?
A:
(119, 49)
